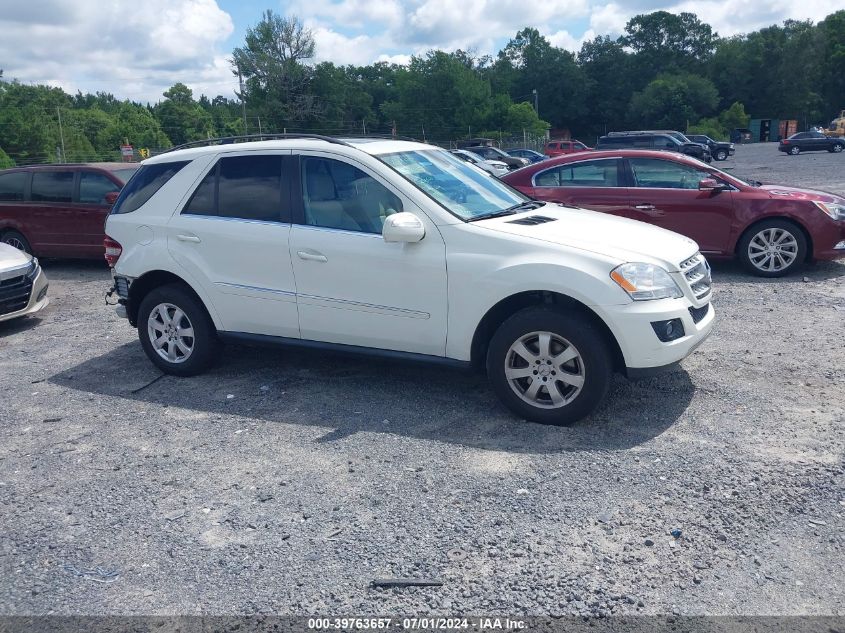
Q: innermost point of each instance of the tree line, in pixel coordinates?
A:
(667, 70)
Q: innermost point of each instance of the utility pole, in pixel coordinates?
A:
(364, 126)
(61, 132)
(259, 125)
(536, 107)
(243, 103)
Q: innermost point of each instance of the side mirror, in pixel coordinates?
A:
(111, 197)
(709, 184)
(403, 227)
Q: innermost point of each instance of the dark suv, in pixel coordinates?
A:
(664, 141)
(719, 150)
(59, 210)
(811, 142)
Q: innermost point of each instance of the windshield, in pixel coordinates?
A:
(460, 188)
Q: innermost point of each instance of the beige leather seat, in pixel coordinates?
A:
(322, 206)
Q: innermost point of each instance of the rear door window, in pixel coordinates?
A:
(144, 184)
(593, 173)
(12, 186)
(52, 186)
(93, 187)
(243, 187)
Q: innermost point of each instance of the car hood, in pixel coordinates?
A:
(779, 191)
(11, 258)
(619, 238)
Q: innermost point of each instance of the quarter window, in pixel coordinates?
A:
(593, 173)
(664, 174)
(12, 186)
(243, 187)
(144, 184)
(93, 187)
(52, 186)
(337, 195)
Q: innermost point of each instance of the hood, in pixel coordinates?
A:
(11, 258)
(608, 235)
(778, 191)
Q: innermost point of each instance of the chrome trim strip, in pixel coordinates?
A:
(11, 273)
(283, 293)
(344, 304)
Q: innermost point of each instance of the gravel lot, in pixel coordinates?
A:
(285, 482)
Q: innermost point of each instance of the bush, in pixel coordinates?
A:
(5, 161)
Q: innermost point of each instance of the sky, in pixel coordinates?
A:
(137, 49)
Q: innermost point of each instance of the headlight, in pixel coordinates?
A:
(33, 268)
(645, 281)
(835, 210)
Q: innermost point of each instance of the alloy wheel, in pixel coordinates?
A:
(773, 250)
(171, 333)
(544, 369)
(13, 241)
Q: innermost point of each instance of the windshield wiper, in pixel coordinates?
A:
(528, 205)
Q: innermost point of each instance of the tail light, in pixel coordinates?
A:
(113, 251)
(785, 141)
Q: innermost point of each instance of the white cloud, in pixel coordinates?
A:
(114, 47)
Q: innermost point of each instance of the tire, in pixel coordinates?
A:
(721, 154)
(13, 238)
(756, 256)
(837, 148)
(794, 150)
(180, 354)
(588, 372)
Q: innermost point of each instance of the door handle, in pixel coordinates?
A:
(312, 257)
(188, 238)
(645, 207)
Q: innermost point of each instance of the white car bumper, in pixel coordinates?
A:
(643, 351)
(13, 293)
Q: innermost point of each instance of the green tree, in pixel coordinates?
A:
(668, 42)
(181, 117)
(274, 66)
(673, 101)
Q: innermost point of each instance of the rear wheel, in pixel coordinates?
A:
(773, 248)
(548, 366)
(721, 154)
(13, 238)
(837, 148)
(795, 150)
(176, 332)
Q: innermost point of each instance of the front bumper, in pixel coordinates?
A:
(643, 353)
(37, 300)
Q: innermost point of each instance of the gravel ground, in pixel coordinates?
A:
(285, 482)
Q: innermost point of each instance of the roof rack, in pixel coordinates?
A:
(225, 140)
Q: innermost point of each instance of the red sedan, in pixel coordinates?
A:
(772, 229)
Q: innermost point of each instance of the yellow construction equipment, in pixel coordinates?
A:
(837, 126)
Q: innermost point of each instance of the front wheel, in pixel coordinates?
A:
(13, 238)
(794, 150)
(773, 248)
(548, 366)
(837, 148)
(176, 332)
(722, 155)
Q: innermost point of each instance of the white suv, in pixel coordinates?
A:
(398, 249)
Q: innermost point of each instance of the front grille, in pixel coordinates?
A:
(696, 271)
(14, 294)
(699, 313)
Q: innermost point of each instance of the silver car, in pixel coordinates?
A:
(23, 285)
